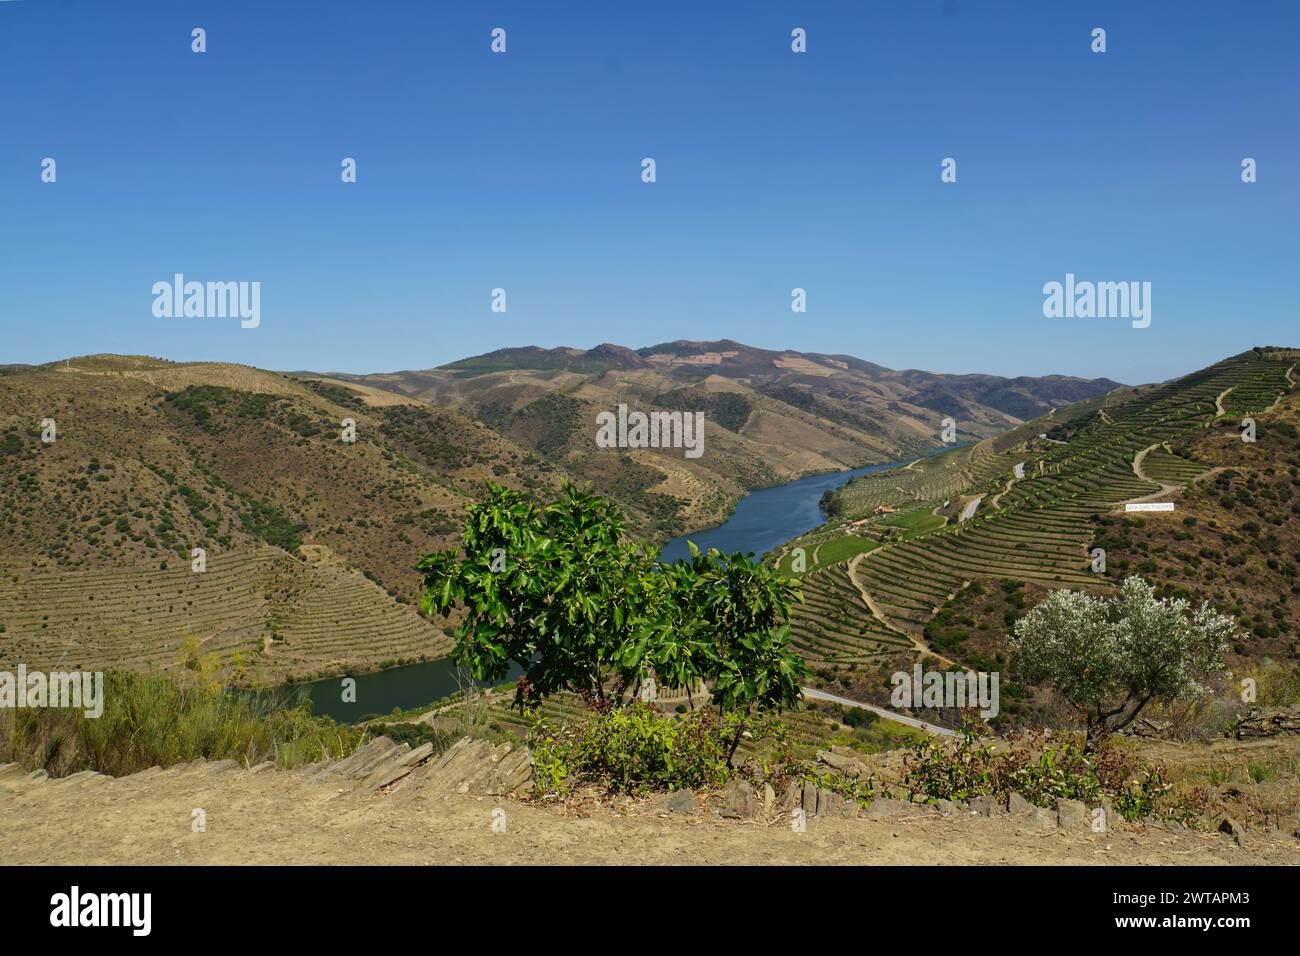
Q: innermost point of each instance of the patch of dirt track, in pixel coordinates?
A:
(277, 817)
(918, 644)
(1167, 488)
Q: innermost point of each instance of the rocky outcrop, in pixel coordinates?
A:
(815, 801)
(476, 766)
(1072, 815)
(742, 800)
(1149, 728)
(887, 809)
(679, 801)
(381, 766)
(360, 763)
(467, 766)
(1267, 722)
(843, 761)
(397, 766)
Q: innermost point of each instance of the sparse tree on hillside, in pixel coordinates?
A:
(1111, 657)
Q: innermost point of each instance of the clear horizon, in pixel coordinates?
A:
(775, 170)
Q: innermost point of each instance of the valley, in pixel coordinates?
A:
(310, 544)
(310, 541)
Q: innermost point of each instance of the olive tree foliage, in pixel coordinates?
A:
(1110, 657)
(556, 590)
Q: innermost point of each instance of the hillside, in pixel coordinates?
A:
(310, 540)
(960, 545)
(935, 559)
(770, 416)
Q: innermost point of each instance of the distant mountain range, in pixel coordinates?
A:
(690, 362)
(771, 415)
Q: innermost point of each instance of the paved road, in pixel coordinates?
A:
(814, 694)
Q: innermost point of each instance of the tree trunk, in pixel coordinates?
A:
(1096, 734)
(1100, 727)
(735, 742)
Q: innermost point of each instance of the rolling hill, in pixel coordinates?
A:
(310, 540)
(937, 558)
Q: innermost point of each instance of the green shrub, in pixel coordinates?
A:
(1279, 685)
(269, 523)
(635, 749)
(1040, 773)
(859, 717)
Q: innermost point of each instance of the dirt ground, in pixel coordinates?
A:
(275, 817)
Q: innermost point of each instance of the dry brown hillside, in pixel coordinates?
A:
(310, 540)
(1235, 539)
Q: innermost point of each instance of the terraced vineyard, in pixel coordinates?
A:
(154, 458)
(883, 565)
(834, 624)
(285, 617)
(1033, 529)
(936, 478)
(1163, 465)
(1255, 393)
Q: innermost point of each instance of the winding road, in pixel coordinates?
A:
(814, 694)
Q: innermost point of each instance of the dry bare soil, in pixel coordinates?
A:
(291, 817)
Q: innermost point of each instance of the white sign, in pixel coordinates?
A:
(1150, 506)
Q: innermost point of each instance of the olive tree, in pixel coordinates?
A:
(1109, 657)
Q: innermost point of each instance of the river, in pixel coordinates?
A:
(769, 517)
(762, 520)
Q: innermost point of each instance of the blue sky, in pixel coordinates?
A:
(775, 170)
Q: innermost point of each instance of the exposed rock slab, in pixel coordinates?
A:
(476, 766)
(1268, 722)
